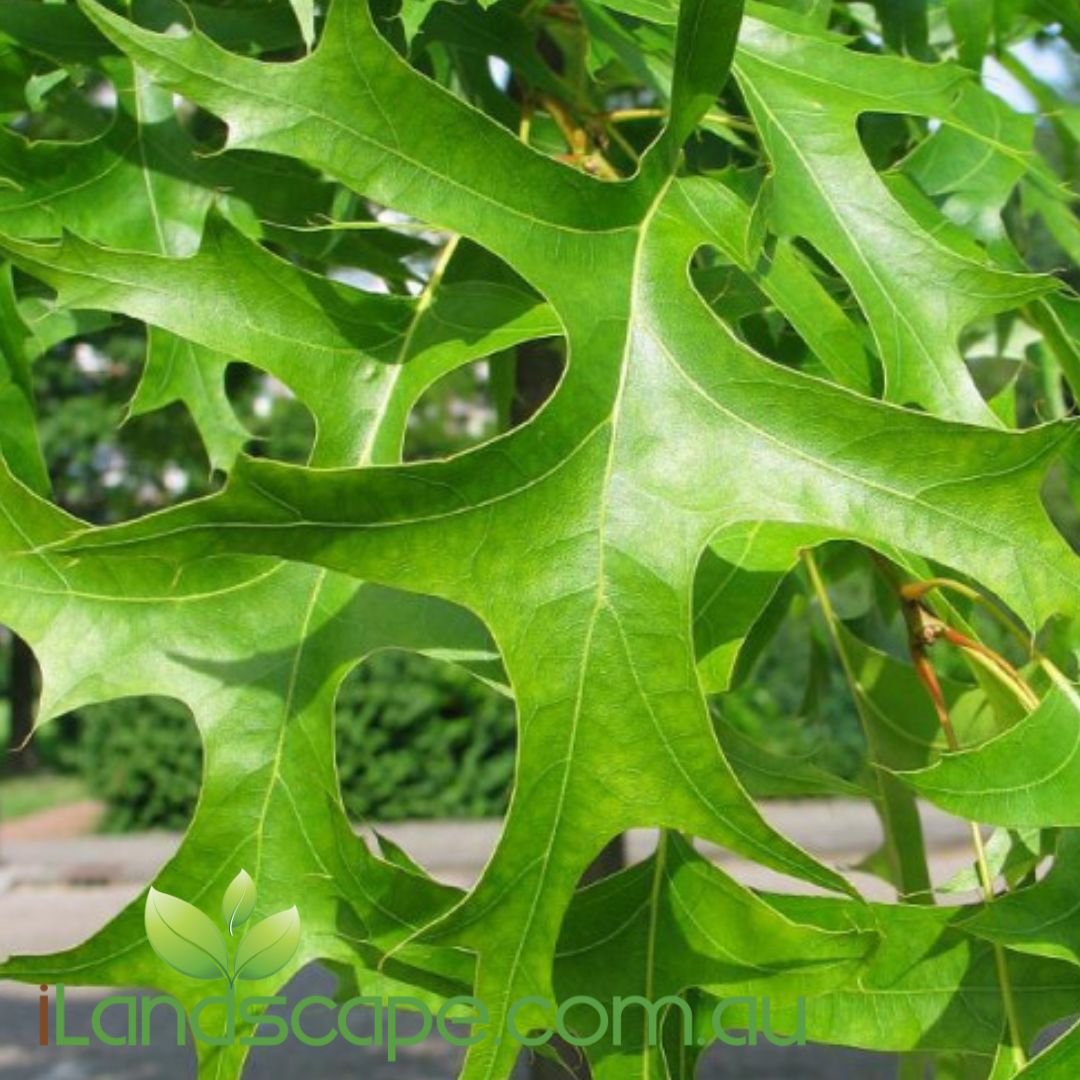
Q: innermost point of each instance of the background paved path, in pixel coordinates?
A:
(57, 889)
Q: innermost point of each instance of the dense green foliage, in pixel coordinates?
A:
(144, 759)
(800, 268)
(418, 743)
(414, 740)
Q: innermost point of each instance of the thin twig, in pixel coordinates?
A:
(904, 870)
(996, 664)
(621, 116)
(916, 590)
(924, 629)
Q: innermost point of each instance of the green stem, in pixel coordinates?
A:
(334, 226)
(1012, 1018)
(929, 680)
(619, 116)
(895, 804)
(1058, 345)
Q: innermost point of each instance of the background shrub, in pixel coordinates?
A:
(415, 739)
(143, 757)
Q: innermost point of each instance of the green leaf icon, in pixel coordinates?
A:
(268, 945)
(238, 901)
(185, 938)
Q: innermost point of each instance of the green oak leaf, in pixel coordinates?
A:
(614, 732)
(1040, 919)
(976, 179)
(177, 369)
(921, 981)
(1012, 853)
(1026, 776)
(676, 921)
(18, 431)
(787, 280)
(359, 361)
(806, 91)
(765, 774)
(1059, 1061)
(605, 561)
(143, 167)
(555, 878)
(806, 94)
(159, 182)
(928, 985)
(738, 575)
(257, 649)
(972, 22)
(62, 33)
(305, 17)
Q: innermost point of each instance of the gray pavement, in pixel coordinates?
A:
(54, 893)
(838, 830)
